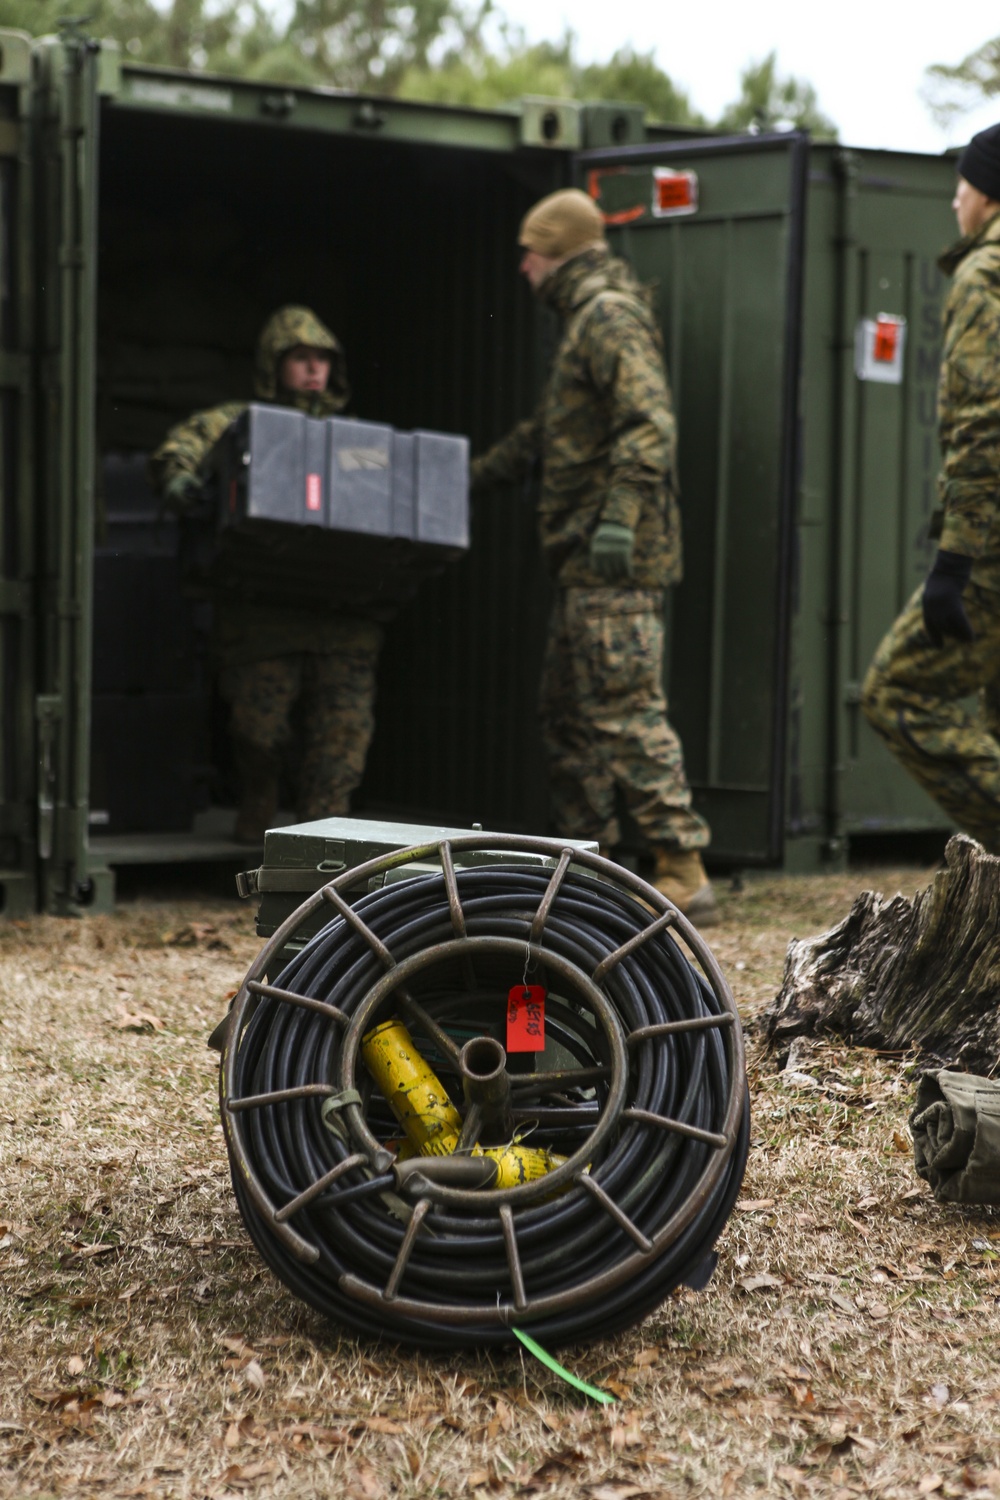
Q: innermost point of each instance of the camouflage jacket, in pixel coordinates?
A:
(969, 404)
(604, 428)
(245, 629)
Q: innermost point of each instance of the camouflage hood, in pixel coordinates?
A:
(283, 330)
(583, 276)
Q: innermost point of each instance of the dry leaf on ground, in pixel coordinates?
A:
(136, 1020)
(763, 1283)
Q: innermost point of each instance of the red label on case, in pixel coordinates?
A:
(526, 1018)
(314, 492)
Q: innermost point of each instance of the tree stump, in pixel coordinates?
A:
(897, 974)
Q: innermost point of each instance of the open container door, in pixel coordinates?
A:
(65, 148)
(18, 832)
(717, 225)
(890, 217)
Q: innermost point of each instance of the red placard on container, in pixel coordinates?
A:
(886, 339)
(314, 492)
(674, 193)
(526, 1018)
(879, 344)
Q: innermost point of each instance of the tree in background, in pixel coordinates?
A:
(376, 44)
(951, 90)
(354, 44)
(228, 36)
(634, 78)
(493, 71)
(487, 71)
(768, 101)
(443, 51)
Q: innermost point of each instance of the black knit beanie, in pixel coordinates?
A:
(979, 163)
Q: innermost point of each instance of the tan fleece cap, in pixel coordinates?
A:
(562, 224)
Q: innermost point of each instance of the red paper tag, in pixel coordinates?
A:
(886, 341)
(526, 1018)
(314, 492)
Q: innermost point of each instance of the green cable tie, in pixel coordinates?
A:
(605, 1397)
(339, 1101)
(330, 1106)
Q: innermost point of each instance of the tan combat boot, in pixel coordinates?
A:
(680, 876)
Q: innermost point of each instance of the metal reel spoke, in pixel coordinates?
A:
(280, 1096)
(680, 1127)
(451, 886)
(678, 1028)
(471, 1127)
(668, 919)
(320, 1185)
(551, 892)
(558, 1078)
(406, 1249)
(330, 894)
(412, 1011)
(614, 1211)
(291, 997)
(513, 1257)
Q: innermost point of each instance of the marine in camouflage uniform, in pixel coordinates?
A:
(609, 525)
(944, 649)
(272, 659)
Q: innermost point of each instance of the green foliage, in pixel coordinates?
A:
(768, 100)
(228, 36)
(951, 90)
(372, 44)
(634, 78)
(485, 75)
(352, 44)
(482, 76)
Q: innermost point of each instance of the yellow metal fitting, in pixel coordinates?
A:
(413, 1092)
(519, 1164)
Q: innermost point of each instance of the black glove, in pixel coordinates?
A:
(944, 612)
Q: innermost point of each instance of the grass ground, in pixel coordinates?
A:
(847, 1345)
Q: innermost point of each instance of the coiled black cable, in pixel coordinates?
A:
(669, 1136)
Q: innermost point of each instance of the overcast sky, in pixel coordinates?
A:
(865, 58)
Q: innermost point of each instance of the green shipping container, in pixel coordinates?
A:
(149, 222)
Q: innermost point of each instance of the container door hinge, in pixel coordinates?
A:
(48, 712)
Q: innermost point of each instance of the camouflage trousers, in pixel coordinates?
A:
(332, 695)
(916, 696)
(604, 720)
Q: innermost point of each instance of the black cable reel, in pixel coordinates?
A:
(407, 1170)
